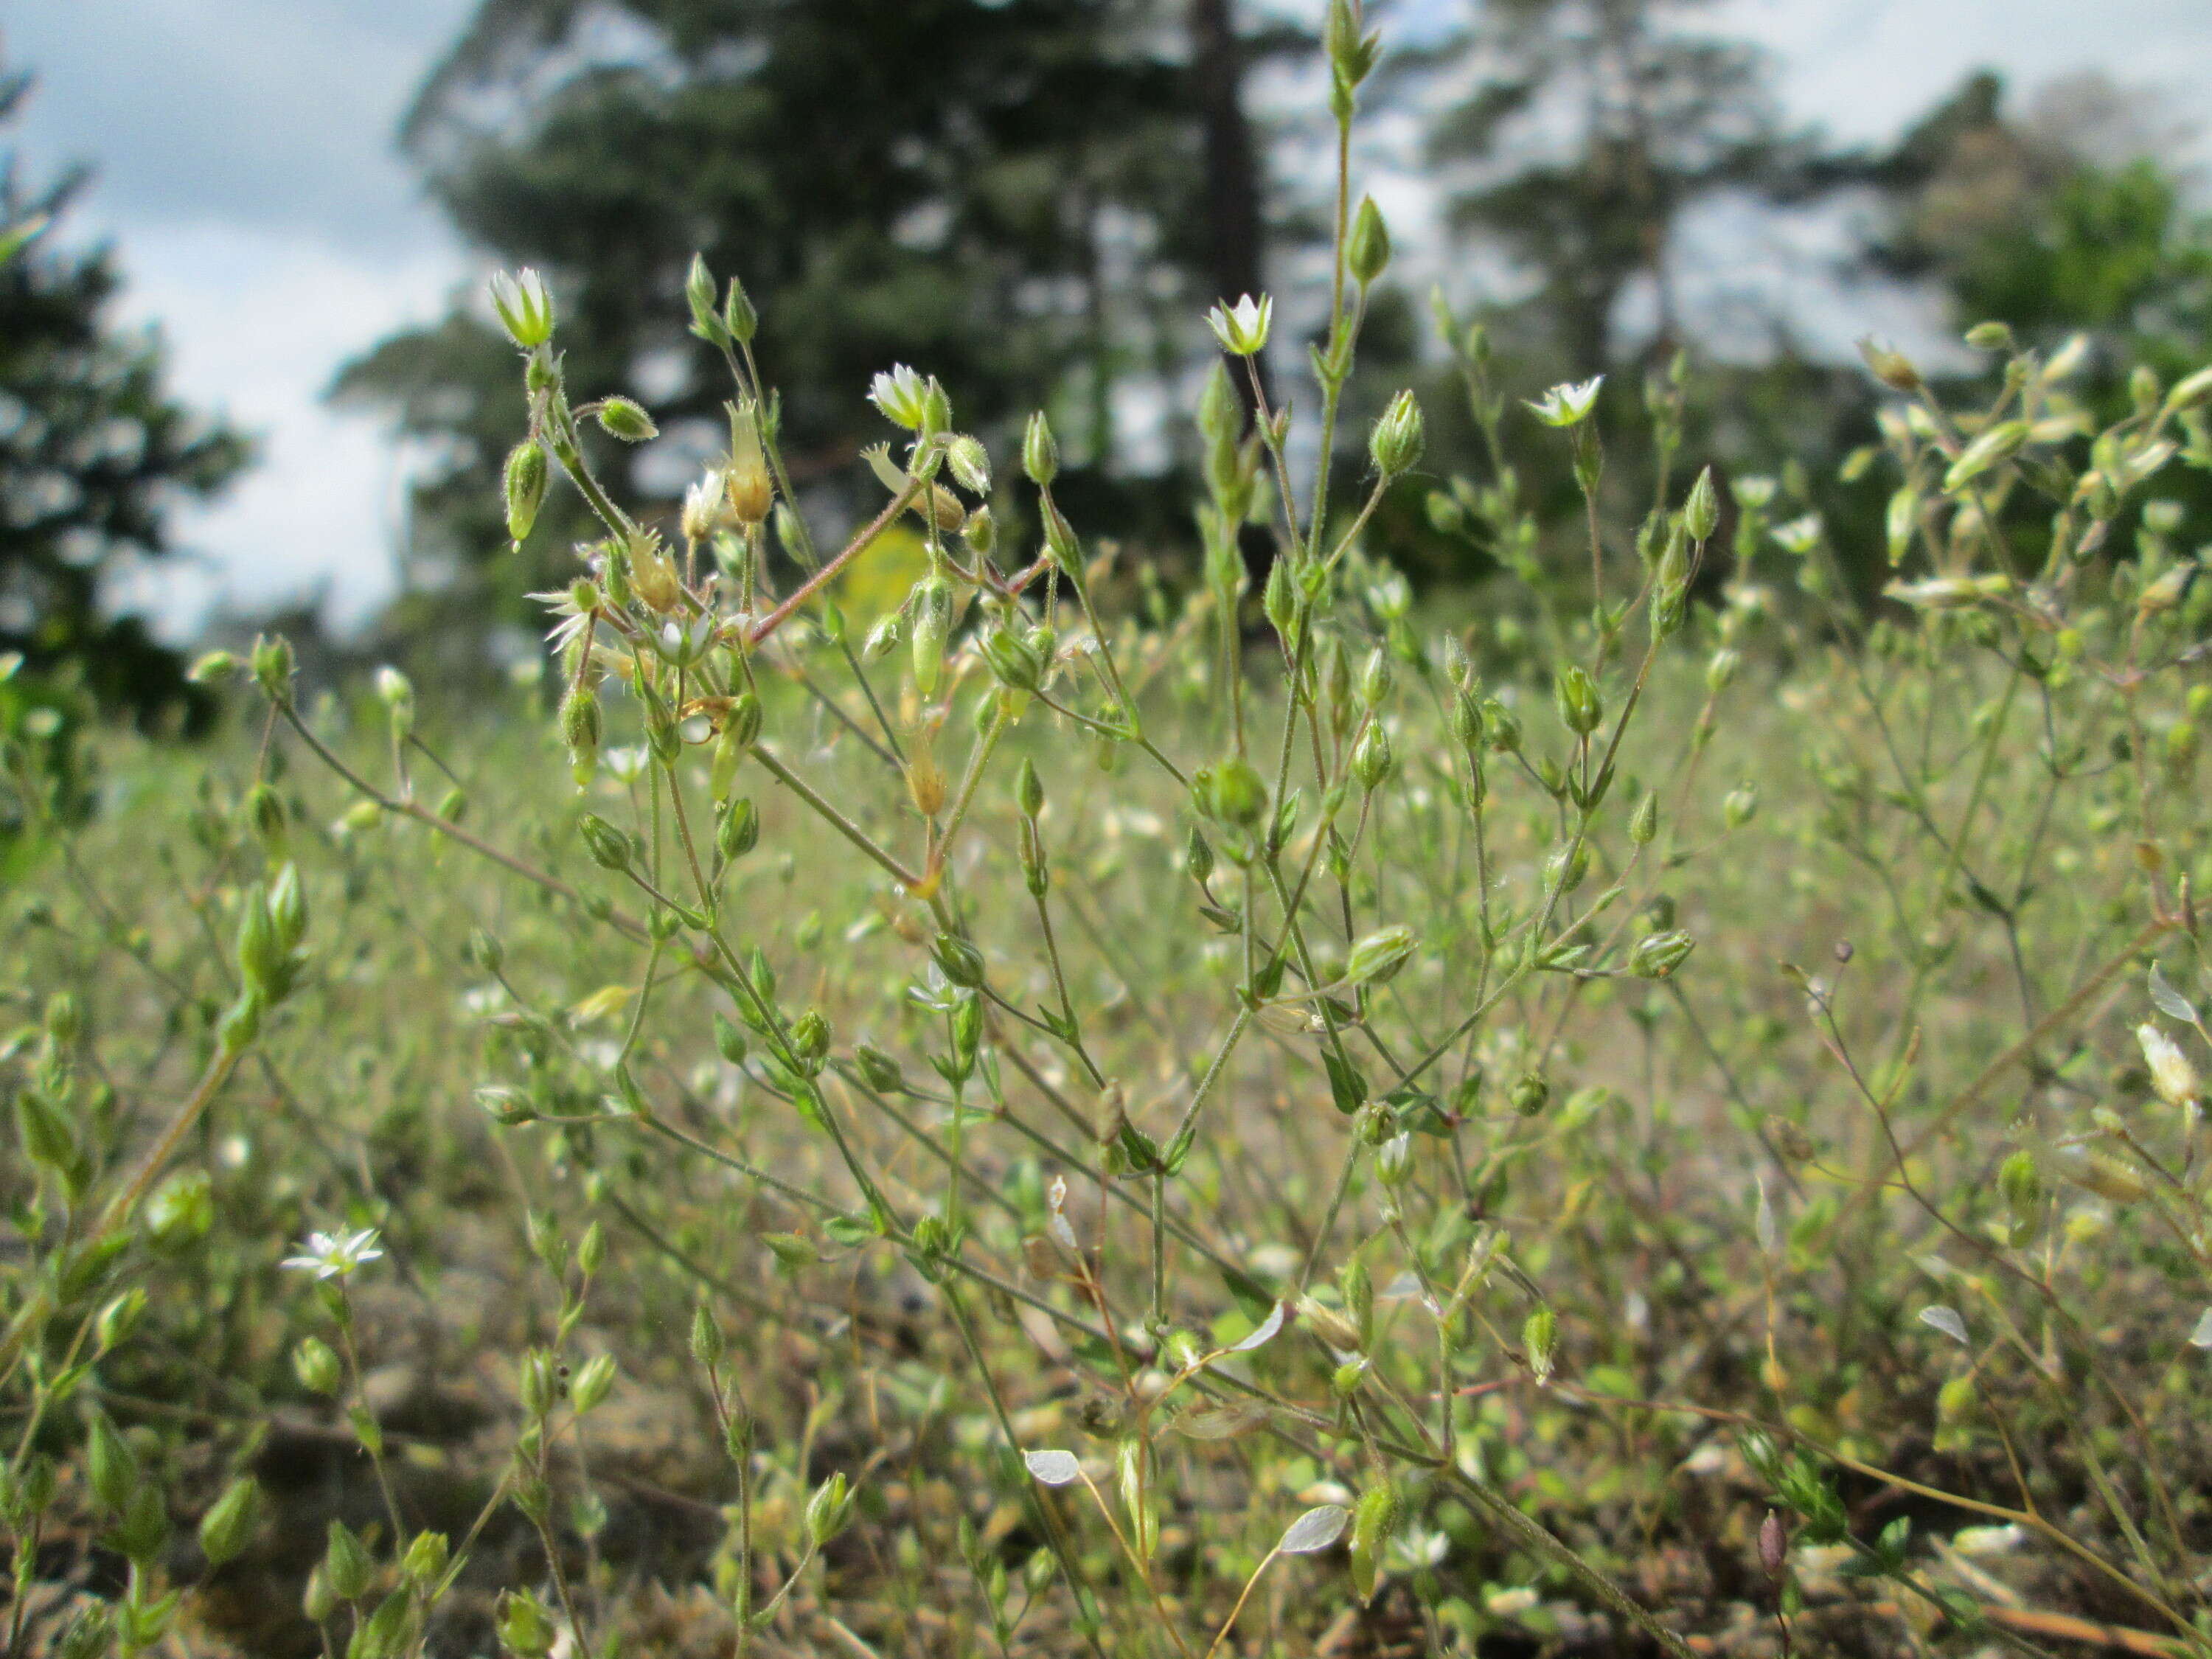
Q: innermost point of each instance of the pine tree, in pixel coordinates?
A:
(94, 452)
(1587, 129)
(1010, 194)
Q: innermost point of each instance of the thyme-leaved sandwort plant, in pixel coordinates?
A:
(1654, 1108)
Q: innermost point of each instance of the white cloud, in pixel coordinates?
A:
(247, 175)
(257, 322)
(1866, 69)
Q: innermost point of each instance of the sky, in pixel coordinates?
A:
(247, 178)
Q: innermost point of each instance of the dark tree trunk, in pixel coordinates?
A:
(1235, 229)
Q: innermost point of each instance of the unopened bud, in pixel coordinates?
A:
(1371, 759)
(1399, 438)
(1658, 955)
(608, 846)
(1701, 513)
(1531, 1094)
(1892, 368)
(1040, 453)
(625, 418)
(525, 483)
(1540, 1335)
(1580, 705)
(738, 831)
(1367, 252)
(932, 622)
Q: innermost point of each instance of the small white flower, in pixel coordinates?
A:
(1799, 536)
(1753, 490)
(1568, 402)
(335, 1255)
(525, 308)
(1243, 328)
(2171, 1073)
(901, 395)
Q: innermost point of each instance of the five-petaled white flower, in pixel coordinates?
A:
(1568, 402)
(1243, 328)
(525, 308)
(336, 1255)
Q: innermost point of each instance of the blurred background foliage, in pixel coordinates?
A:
(1035, 199)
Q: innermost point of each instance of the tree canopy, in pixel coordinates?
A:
(94, 454)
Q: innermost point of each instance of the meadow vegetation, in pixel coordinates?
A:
(1654, 1106)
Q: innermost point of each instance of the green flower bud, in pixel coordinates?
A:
(116, 1321)
(1012, 660)
(932, 623)
(581, 730)
(828, 1510)
(1644, 827)
(1367, 252)
(1400, 437)
(213, 667)
(1567, 867)
(1658, 955)
(960, 961)
(1040, 453)
(1371, 759)
(1892, 368)
(1375, 679)
(981, 532)
(1374, 1519)
(2020, 1183)
(626, 419)
(1503, 726)
(810, 1036)
(1466, 718)
(1279, 599)
(1198, 856)
(111, 1466)
(1539, 1335)
(1581, 706)
(346, 1567)
(970, 464)
(594, 1378)
(524, 484)
(1236, 793)
(699, 295)
(729, 1041)
(1701, 513)
(427, 1559)
(227, 1527)
(707, 1343)
(737, 313)
(738, 831)
(525, 1626)
(1376, 958)
(1531, 1094)
(317, 1367)
(1220, 411)
(608, 846)
(272, 665)
(879, 1070)
(1028, 789)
